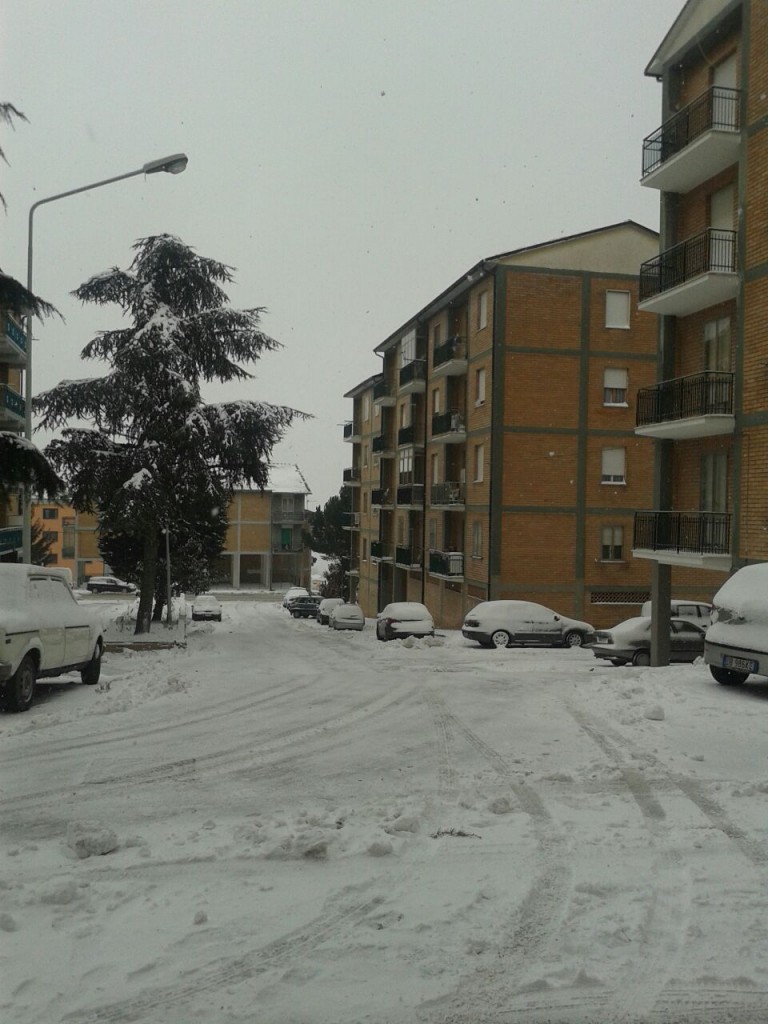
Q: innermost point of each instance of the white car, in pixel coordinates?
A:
(509, 623)
(630, 641)
(736, 644)
(404, 618)
(43, 632)
(206, 606)
(347, 616)
(325, 608)
(109, 585)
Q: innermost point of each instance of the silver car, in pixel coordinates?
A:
(347, 616)
(630, 641)
(522, 623)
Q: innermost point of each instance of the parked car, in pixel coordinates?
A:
(44, 632)
(510, 623)
(292, 593)
(304, 607)
(693, 611)
(325, 608)
(630, 641)
(347, 616)
(206, 606)
(736, 644)
(404, 618)
(109, 584)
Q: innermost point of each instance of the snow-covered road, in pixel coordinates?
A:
(312, 826)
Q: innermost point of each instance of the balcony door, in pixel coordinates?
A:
(714, 500)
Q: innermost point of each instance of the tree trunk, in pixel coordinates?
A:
(157, 614)
(144, 617)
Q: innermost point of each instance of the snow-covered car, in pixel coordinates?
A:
(43, 632)
(206, 606)
(304, 607)
(325, 608)
(630, 641)
(292, 593)
(109, 585)
(347, 616)
(404, 618)
(693, 611)
(520, 623)
(736, 644)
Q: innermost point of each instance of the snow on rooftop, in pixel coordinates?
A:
(285, 478)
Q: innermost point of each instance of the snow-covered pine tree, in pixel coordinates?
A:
(152, 434)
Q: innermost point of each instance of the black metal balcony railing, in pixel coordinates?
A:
(11, 401)
(409, 435)
(717, 108)
(381, 443)
(15, 332)
(350, 431)
(352, 476)
(380, 549)
(712, 251)
(447, 423)
(453, 348)
(407, 556)
(706, 533)
(415, 370)
(382, 389)
(410, 494)
(699, 394)
(446, 563)
(381, 496)
(448, 493)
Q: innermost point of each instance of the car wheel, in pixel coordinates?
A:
(20, 688)
(642, 658)
(573, 639)
(727, 676)
(90, 674)
(500, 638)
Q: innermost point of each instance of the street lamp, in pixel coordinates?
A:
(173, 164)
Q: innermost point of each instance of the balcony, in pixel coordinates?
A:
(382, 446)
(381, 497)
(699, 405)
(353, 523)
(697, 143)
(408, 558)
(352, 433)
(13, 342)
(447, 564)
(12, 409)
(448, 428)
(383, 394)
(410, 496)
(351, 477)
(381, 551)
(413, 377)
(701, 540)
(692, 275)
(448, 495)
(288, 516)
(450, 358)
(409, 437)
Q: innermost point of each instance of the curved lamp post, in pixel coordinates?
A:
(173, 164)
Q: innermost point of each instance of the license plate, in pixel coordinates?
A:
(740, 664)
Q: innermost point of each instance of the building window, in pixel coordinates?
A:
(286, 502)
(401, 532)
(613, 466)
(617, 309)
(50, 513)
(479, 462)
(714, 482)
(612, 544)
(432, 542)
(366, 407)
(435, 461)
(405, 408)
(365, 549)
(405, 476)
(365, 501)
(615, 384)
(717, 344)
(482, 310)
(436, 401)
(480, 386)
(477, 539)
(408, 348)
(365, 456)
(437, 335)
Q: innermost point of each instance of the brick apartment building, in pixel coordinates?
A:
(13, 360)
(264, 546)
(708, 287)
(494, 456)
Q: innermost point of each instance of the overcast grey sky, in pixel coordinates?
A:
(350, 158)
